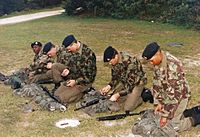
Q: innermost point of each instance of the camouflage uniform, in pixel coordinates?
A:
(82, 68)
(57, 68)
(128, 73)
(171, 90)
(39, 64)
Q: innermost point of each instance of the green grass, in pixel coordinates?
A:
(98, 33)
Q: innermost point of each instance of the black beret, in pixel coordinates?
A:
(150, 50)
(147, 95)
(37, 43)
(47, 47)
(68, 40)
(109, 54)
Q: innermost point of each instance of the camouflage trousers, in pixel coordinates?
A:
(179, 122)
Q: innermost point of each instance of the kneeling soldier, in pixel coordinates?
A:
(128, 78)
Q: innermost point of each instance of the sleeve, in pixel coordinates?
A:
(88, 70)
(133, 76)
(172, 92)
(39, 62)
(114, 80)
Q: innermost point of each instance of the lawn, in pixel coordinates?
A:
(125, 35)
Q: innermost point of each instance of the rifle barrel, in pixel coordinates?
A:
(115, 117)
(90, 103)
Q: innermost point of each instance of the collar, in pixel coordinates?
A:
(120, 57)
(80, 47)
(163, 64)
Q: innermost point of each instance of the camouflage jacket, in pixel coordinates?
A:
(81, 65)
(129, 72)
(63, 55)
(39, 63)
(169, 84)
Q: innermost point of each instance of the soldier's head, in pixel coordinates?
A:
(71, 44)
(153, 54)
(111, 56)
(49, 49)
(36, 46)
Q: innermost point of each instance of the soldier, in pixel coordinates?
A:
(40, 60)
(79, 73)
(170, 88)
(36, 67)
(128, 78)
(75, 68)
(51, 51)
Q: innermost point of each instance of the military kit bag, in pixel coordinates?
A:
(148, 125)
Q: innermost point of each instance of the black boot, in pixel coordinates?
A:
(192, 111)
(147, 95)
(195, 119)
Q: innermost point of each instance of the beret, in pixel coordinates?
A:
(37, 43)
(47, 47)
(147, 95)
(68, 40)
(109, 54)
(150, 50)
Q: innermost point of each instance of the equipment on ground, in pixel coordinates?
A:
(117, 116)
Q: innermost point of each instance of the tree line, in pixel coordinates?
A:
(180, 12)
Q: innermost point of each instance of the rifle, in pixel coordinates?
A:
(87, 104)
(118, 116)
(47, 91)
(93, 101)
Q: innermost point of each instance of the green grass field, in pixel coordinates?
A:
(125, 35)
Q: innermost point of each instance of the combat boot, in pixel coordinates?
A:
(195, 120)
(192, 111)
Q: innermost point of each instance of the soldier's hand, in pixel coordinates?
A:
(65, 72)
(158, 108)
(105, 90)
(163, 121)
(49, 65)
(71, 83)
(114, 97)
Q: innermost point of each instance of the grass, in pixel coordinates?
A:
(125, 35)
